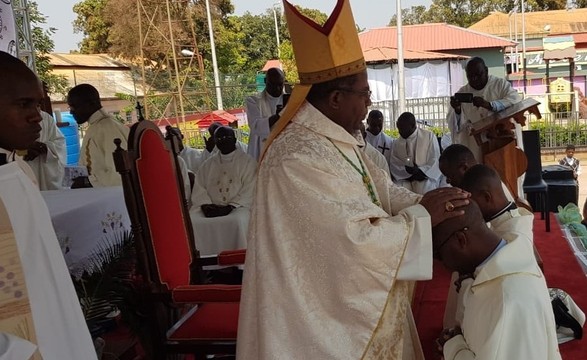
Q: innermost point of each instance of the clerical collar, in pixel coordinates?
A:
(510, 206)
(7, 156)
(227, 157)
(500, 246)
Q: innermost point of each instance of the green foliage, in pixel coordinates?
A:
(465, 13)
(92, 22)
(44, 45)
(112, 284)
(557, 135)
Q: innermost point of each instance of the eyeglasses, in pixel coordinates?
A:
(364, 93)
(439, 247)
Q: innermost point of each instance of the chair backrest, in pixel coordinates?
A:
(155, 200)
(531, 140)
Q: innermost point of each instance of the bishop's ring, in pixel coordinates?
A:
(448, 206)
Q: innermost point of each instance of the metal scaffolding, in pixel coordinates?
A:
(26, 48)
(174, 81)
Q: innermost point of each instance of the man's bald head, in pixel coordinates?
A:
(21, 94)
(481, 177)
(83, 101)
(485, 186)
(274, 81)
(463, 242)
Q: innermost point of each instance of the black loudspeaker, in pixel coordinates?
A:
(562, 192)
(531, 140)
(557, 172)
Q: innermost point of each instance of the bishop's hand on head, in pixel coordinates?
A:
(443, 203)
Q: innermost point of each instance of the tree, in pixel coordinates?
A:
(287, 54)
(44, 45)
(92, 23)
(411, 16)
(465, 13)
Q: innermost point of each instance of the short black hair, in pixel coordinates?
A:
(85, 92)
(375, 114)
(458, 154)
(478, 177)
(571, 147)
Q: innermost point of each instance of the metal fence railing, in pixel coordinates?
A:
(557, 129)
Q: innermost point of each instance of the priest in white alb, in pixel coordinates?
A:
(47, 155)
(372, 153)
(490, 95)
(40, 314)
(262, 110)
(414, 157)
(375, 135)
(333, 244)
(222, 196)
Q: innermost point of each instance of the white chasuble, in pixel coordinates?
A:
(223, 180)
(496, 89)
(507, 310)
(419, 149)
(98, 146)
(324, 262)
(49, 168)
(59, 325)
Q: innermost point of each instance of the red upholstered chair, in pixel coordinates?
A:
(170, 264)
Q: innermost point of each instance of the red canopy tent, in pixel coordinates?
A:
(202, 119)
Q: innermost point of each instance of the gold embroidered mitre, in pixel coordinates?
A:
(325, 52)
(322, 53)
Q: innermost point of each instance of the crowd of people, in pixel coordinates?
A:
(338, 218)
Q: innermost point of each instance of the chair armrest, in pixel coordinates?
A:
(225, 258)
(232, 257)
(206, 293)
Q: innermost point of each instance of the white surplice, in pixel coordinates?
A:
(192, 158)
(382, 143)
(421, 148)
(50, 167)
(98, 146)
(60, 328)
(496, 89)
(325, 265)
(223, 180)
(259, 108)
(508, 314)
(375, 156)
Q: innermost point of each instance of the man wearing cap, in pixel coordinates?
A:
(333, 244)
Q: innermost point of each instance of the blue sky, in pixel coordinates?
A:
(368, 14)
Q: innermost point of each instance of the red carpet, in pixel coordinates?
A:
(560, 268)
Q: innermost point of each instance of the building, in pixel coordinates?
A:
(434, 56)
(540, 26)
(112, 78)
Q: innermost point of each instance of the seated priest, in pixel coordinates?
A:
(211, 148)
(414, 157)
(222, 196)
